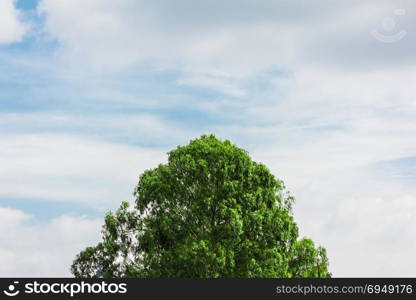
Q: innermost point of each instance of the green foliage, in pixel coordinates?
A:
(209, 212)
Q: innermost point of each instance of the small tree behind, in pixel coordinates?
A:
(209, 212)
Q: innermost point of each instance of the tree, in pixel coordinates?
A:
(209, 212)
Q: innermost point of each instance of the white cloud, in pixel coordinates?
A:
(69, 168)
(137, 129)
(381, 240)
(12, 29)
(42, 249)
(220, 84)
(107, 25)
(233, 38)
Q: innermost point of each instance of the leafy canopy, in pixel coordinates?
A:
(209, 212)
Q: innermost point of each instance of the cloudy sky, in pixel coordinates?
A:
(92, 92)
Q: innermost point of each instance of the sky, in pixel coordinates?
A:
(93, 92)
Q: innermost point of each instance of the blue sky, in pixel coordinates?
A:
(94, 92)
